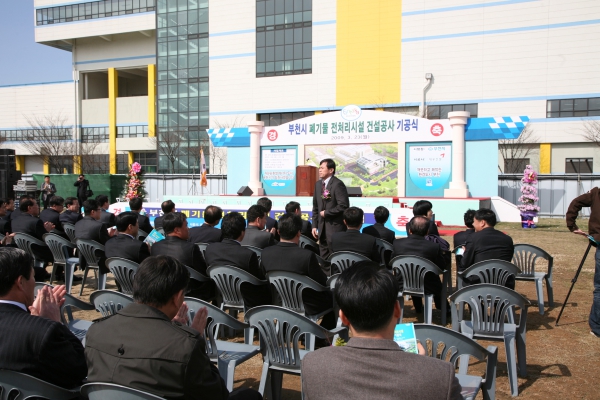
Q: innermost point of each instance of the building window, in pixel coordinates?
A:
(132, 131)
(573, 108)
(148, 161)
(283, 37)
(441, 112)
(276, 119)
(92, 10)
(16, 135)
(579, 165)
(62, 166)
(95, 164)
(94, 135)
(515, 165)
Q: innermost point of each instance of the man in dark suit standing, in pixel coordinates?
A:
(166, 207)
(124, 244)
(136, 205)
(460, 238)
(52, 214)
(83, 186)
(271, 224)
(329, 202)
(378, 230)
(416, 245)
(106, 217)
(352, 239)
(487, 243)
(90, 228)
(34, 340)
(293, 207)
(230, 252)
(255, 234)
(207, 233)
(48, 189)
(378, 367)
(73, 212)
(176, 245)
(288, 256)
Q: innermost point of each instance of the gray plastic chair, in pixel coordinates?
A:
(108, 302)
(110, 391)
(70, 231)
(280, 330)
(88, 249)
(308, 243)
(226, 354)
(342, 260)
(447, 345)
(413, 270)
(161, 231)
(18, 386)
(385, 249)
(490, 306)
(255, 249)
(495, 272)
(61, 250)
(124, 271)
(142, 235)
(202, 247)
(525, 257)
(24, 242)
(290, 285)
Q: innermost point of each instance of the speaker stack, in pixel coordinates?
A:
(8, 173)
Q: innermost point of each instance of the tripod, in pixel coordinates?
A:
(592, 242)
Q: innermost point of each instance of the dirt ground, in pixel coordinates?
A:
(562, 362)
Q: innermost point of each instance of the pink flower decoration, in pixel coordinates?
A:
(136, 167)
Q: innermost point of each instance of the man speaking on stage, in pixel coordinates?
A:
(590, 199)
(330, 199)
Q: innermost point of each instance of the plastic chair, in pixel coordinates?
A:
(255, 249)
(525, 257)
(2, 236)
(202, 247)
(124, 271)
(141, 235)
(290, 285)
(413, 270)
(108, 302)
(308, 243)
(280, 330)
(226, 354)
(342, 260)
(70, 231)
(110, 391)
(88, 249)
(229, 280)
(24, 242)
(447, 345)
(17, 386)
(61, 249)
(336, 309)
(495, 272)
(385, 250)
(490, 306)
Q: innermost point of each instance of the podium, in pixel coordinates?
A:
(306, 179)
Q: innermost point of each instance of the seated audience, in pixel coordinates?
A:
(105, 216)
(5, 227)
(170, 359)
(352, 239)
(176, 245)
(288, 256)
(10, 207)
(72, 214)
(378, 229)
(207, 233)
(166, 206)
(52, 214)
(487, 243)
(255, 234)
(416, 245)
(460, 238)
(124, 244)
(371, 365)
(293, 207)
(230, 252)
(136, 205)
(34, 340)
(18, 213)
(90, 228)
(424, 208)
(271, 224)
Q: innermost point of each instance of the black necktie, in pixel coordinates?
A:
(323, 187)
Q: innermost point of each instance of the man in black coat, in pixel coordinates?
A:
(5, 226)
(230, 252)
(271, 224)
(83, 186)
(378, 230)
(416, 245)
(487, 243)
(124, 244)
(52, 214)
(424, 208)
(73, 212)
(288, 256)
(330, 199)
(17, 213)
(136, 205)
(176, 245)
(207, 233)
(255, 234)
(460, 238)
(106, 217)
(166, 206)
(352, 239)
(90, 228)
(34, 340)
(293, 207)
(10, 207)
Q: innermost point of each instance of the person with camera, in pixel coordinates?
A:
(83, 189)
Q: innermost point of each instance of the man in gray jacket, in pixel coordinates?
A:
(372, 365)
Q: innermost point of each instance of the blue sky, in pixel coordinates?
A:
(22, 60)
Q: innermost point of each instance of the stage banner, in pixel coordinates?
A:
(278, 170)
(428, 169)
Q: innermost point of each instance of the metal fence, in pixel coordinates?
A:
(555, 191)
